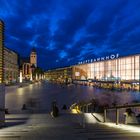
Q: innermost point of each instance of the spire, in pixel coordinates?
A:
(1, 21)
(33, 57)
(33, 49)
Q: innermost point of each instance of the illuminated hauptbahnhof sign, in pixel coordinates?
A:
(110, 68)
(110, 57)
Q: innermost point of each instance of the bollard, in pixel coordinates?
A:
(117, 116)
(83, 120)
(86, 108)
(104, 115)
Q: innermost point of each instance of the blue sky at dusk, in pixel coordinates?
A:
(65, 32)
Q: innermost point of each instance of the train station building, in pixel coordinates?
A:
(108, 72)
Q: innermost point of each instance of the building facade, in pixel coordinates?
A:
(33, 58)
(2, 88)
(1, 50)
(60, 75)
(109, 72)
(123, 72)
(26, 70)
(28, 66)
(11, 68)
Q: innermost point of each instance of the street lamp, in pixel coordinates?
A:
(31, 77)
(36, 77)
(20, 78)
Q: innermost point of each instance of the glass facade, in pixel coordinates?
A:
(115, 73)
(121, 69)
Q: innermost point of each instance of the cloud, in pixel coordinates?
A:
(62, 54)
(66, 32)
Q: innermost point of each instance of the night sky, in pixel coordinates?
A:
(65, 32)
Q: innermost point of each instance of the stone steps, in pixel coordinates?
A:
(65, 127)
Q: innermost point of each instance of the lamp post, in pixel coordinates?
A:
(20, 78)
(40, 77)
(36, 77)
(31, 77)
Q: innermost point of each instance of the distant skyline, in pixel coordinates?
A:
(65, 32)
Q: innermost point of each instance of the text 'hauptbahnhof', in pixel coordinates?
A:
(106, 72)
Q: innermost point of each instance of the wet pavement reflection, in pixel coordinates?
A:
(39, 96)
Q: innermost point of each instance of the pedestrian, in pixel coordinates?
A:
(130, 117)
(55, 110)
(24, 107)
(6, 111)
(64, 107)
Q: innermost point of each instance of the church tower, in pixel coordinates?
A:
(33, 58)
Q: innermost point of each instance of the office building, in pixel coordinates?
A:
(11, 68)
(60, 75)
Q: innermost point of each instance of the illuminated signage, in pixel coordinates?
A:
(110, 57)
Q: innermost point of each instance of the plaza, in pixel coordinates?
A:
(37, 123)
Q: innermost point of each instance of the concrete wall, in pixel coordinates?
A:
(2, 104)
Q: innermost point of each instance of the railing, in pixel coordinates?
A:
(84, 108)
(81, 109)
(117, 108)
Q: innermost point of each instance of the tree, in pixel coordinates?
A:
(37, 71)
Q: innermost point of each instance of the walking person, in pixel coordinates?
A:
(55, 110)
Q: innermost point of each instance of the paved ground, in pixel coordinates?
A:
(36, 124)
(65, 127)
(40, 95)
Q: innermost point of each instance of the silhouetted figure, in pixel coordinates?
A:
(24, 107)
(64, 107)
(6, 111)
(55, 110)
(130, 117)
(129, 111)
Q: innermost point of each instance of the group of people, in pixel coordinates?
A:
(54, 110)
